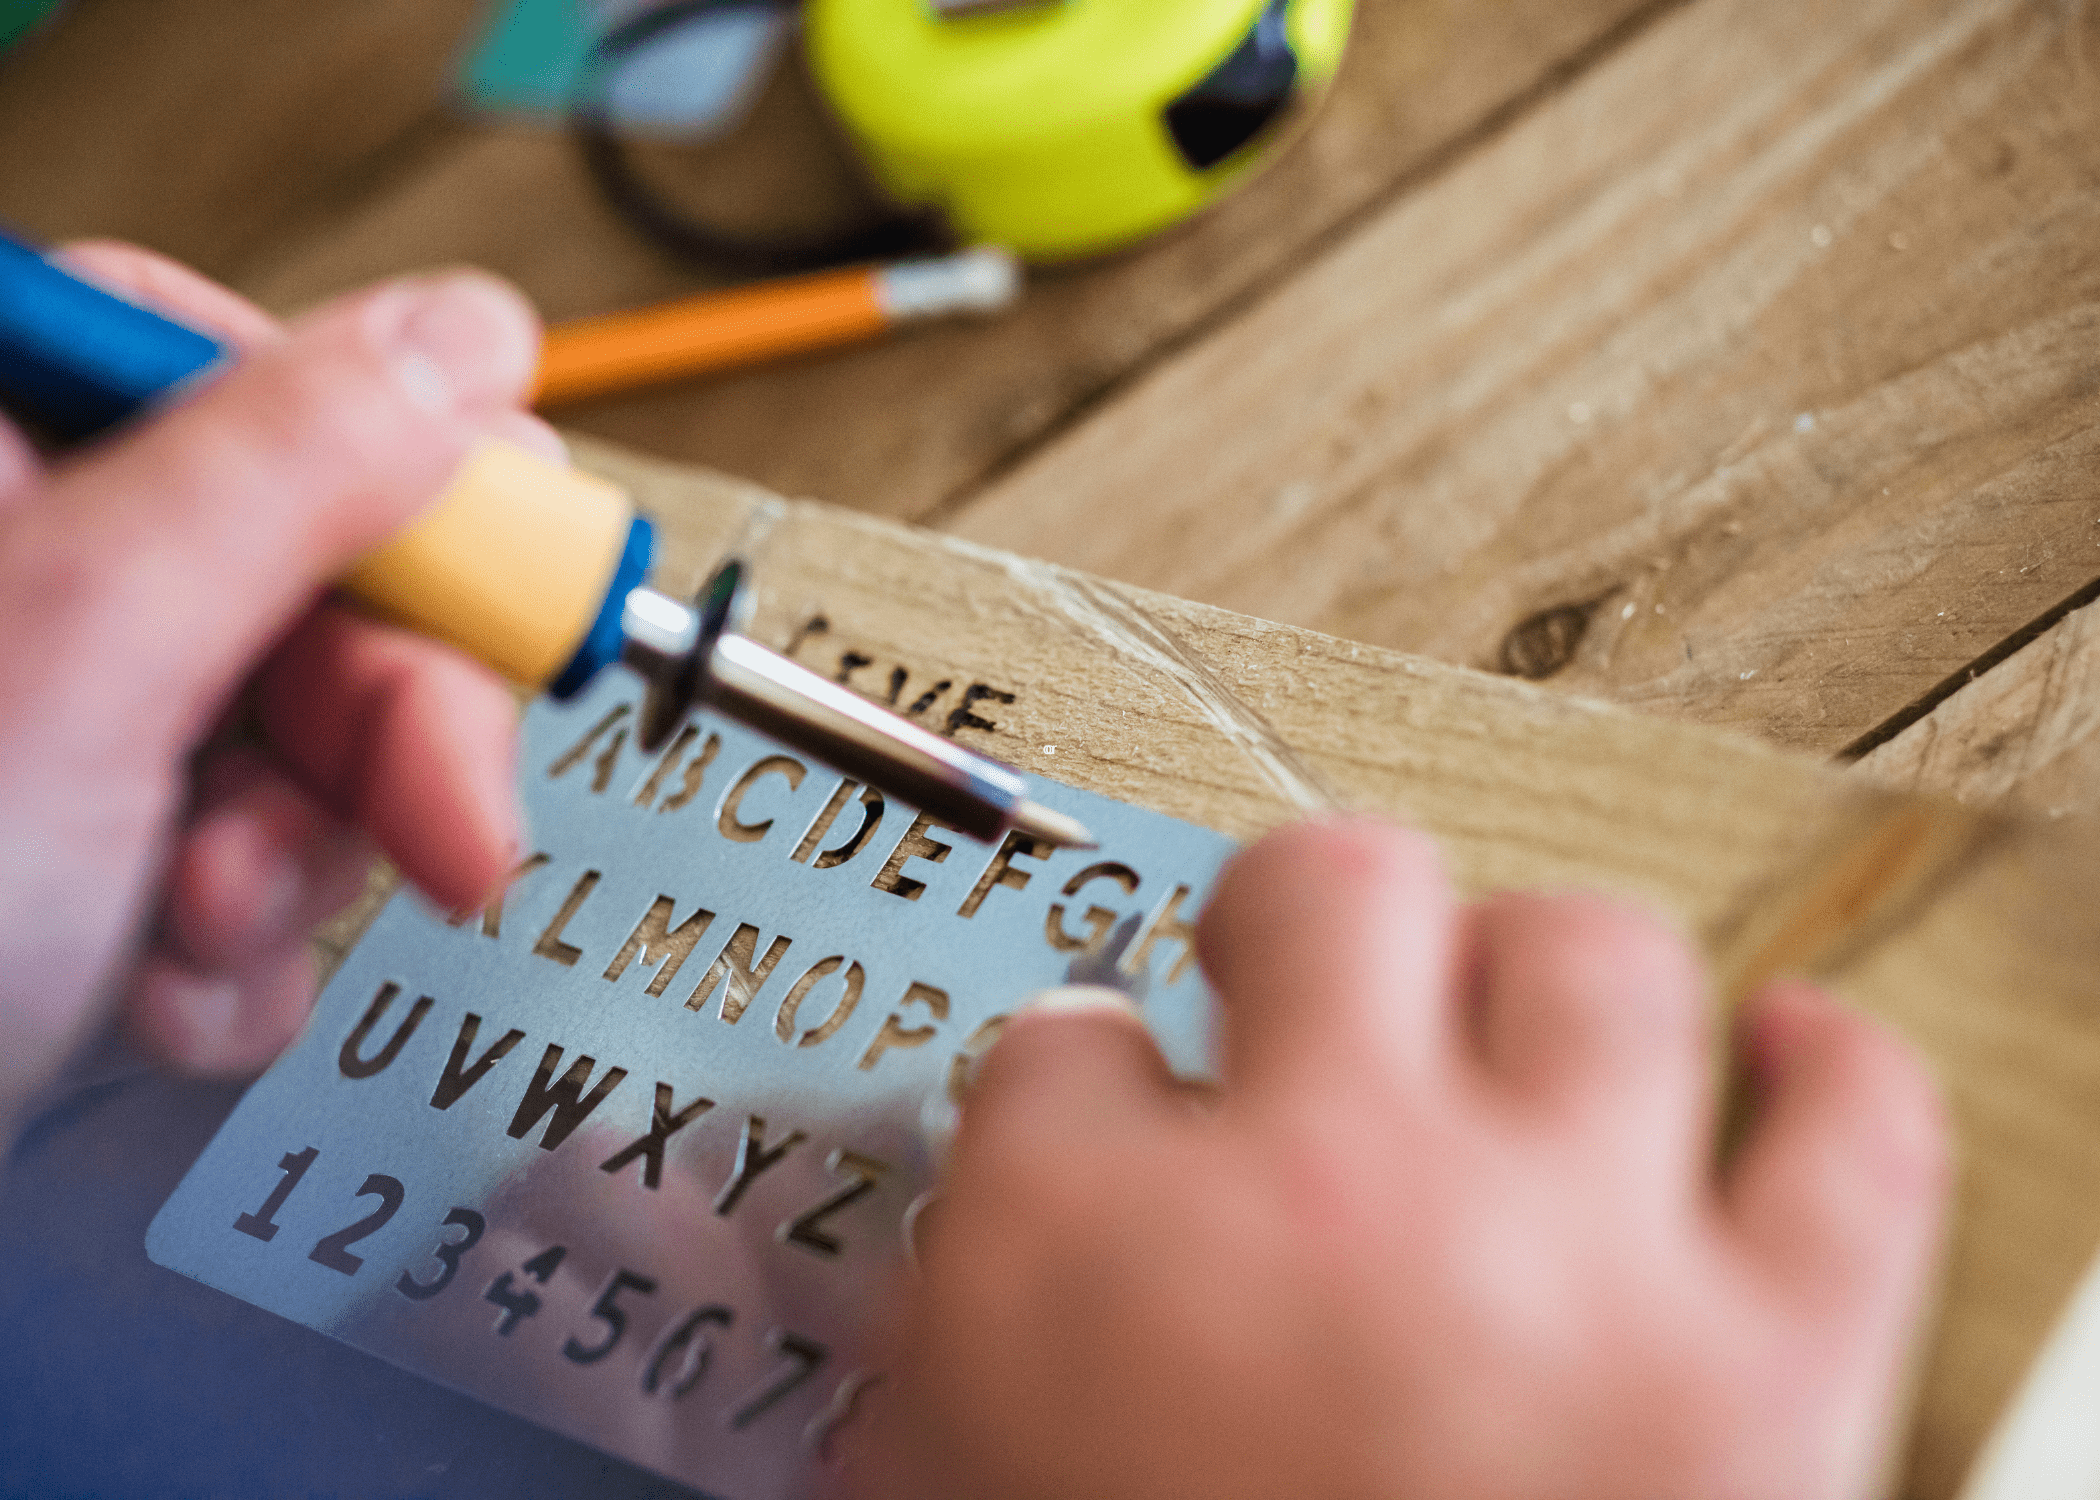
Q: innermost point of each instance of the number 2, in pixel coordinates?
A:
(333, 1251)
(448, 1253)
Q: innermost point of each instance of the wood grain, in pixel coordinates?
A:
(2026, 733)
(1993, 970)
(902, 427)
(200, 127)
(1753, 379)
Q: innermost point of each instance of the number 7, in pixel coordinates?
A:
(806, 1357)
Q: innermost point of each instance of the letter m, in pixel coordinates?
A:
(565, 1097)
(656, 942)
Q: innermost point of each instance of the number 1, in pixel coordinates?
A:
(262, 1224)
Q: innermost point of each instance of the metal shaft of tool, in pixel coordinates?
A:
(964, 791)
(744, 681)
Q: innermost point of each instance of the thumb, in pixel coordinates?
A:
(160, 564)
(1074, 1062)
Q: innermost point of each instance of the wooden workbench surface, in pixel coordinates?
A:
(1734, 360)
(1738, 359)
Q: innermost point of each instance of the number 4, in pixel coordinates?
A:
(518, 1306)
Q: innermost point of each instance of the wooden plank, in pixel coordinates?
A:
(1157, 700)
(2026, 733)
(900, 428)
(198, 126)
(1752, 379)
(517, 200)
(1997, 983)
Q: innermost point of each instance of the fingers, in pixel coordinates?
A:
(19, 470)
(173, 288)
(521, 429)
(170, 287)
(405, 738)
(1329, 947)
(1076, 1062)
(230, 982)
(259, 864)
(172, 554)
(1840, 1188)
(219, 1025)
(1595, 1014)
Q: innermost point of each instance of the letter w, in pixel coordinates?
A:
(561, 1097)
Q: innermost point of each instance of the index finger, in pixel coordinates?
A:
(171, 288)
(151, 280)
(1329, 945)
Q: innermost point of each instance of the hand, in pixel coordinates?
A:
(147, 581)
(1449, 1229)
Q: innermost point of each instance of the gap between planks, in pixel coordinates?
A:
(1765, 354)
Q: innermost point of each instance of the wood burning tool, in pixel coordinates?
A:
(531, 567)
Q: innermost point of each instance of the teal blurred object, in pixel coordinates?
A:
(694, 85)
(18, 16)
(531, 57)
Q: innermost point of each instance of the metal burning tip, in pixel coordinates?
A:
(691, 655)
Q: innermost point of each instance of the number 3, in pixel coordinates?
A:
(448, 1253)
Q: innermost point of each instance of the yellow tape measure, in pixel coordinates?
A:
(1056, 128)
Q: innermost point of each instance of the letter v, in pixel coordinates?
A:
(458, 1077)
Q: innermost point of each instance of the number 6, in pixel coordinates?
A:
(699, 1349)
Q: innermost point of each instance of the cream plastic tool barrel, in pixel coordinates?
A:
(512, 565)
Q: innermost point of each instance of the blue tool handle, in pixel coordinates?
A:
(76, 360)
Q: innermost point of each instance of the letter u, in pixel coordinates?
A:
(355, 1066)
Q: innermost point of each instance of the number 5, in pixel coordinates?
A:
(607, 1311)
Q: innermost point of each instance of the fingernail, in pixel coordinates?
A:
(524, 430)
(462, 342)
(206, 1012)
(1083, 999)
(280, 883)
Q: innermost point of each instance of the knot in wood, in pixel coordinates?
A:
(1542, 644)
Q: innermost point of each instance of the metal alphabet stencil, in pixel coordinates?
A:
(633, 1152)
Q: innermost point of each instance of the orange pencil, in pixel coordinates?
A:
(718, 330)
